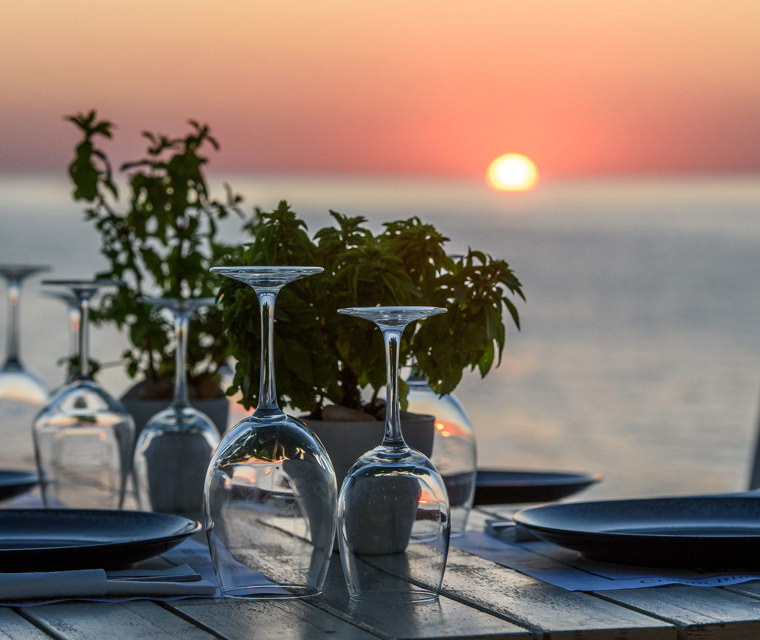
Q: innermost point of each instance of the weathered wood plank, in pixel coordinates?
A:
(105, 620)
(282, 619)
(446, 618)
(706, 613)
(14, 627)
(697, 612)
(751, 589)
(543, 608)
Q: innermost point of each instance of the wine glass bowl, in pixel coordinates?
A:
(270, 496)
(21, 385)
(18, 384)
(454, 451)
(83, 437)
(83, 441)
(393, 509)
(171, 457)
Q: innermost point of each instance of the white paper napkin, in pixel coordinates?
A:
(96, 582)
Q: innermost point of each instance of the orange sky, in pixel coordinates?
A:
(393, 86)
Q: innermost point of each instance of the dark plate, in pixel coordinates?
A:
(14, 483)
(514, 487)
(61, 539)
(700, 532)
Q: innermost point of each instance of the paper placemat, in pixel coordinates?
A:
(570, 570)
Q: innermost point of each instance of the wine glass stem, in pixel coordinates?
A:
(74, 324)
(84, 336)
(181, 322)
(267, 391)
(393, 436)
(14, 293)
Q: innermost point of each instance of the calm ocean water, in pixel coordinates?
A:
(640, 351)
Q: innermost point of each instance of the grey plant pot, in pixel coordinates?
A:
(346, 442)
(217, 409)
(384, 525)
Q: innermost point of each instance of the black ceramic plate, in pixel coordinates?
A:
(14, 483)
(61, 539)
(701, 532)
(518, 487)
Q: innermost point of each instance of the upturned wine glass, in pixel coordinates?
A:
(174, 448)
(393, 510)
(270, 497)
(454, 450)
(83, 437)
(17, 383)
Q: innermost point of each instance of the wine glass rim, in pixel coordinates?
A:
(24, 268)
(102, 282)
(265, 269)
(54, 293)
(394, 309)
(170, 302)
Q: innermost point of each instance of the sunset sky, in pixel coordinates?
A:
(584, 87)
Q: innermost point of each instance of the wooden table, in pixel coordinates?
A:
(480, 599)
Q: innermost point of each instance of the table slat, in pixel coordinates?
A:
(14, 627)
(282, 619)
(446, 618)
(104, 620)
(539, 606)
(545, 609)
(751, 589)
(706, 613)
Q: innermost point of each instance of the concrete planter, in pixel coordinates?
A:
(347, 441)
(143, 410)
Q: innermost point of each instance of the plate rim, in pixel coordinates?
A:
(519, 518)
(196, 528)
(553, 477)
(18, 477)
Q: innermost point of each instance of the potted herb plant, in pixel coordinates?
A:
(160, 239)
(331, 368)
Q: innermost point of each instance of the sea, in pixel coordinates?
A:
(639, 352)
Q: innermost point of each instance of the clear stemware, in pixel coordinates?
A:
(17, 383)
(174, 448)
(83, 437)
(270, 497)
(393, 510)
(454, 449)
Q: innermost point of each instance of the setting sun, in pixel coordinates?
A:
(512, 172)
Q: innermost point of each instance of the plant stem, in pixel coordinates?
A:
(393, 437)
(349, 384)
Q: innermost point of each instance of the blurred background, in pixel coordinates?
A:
(638, 244)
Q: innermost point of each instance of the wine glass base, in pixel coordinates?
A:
(280, 592)
(410, 596)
